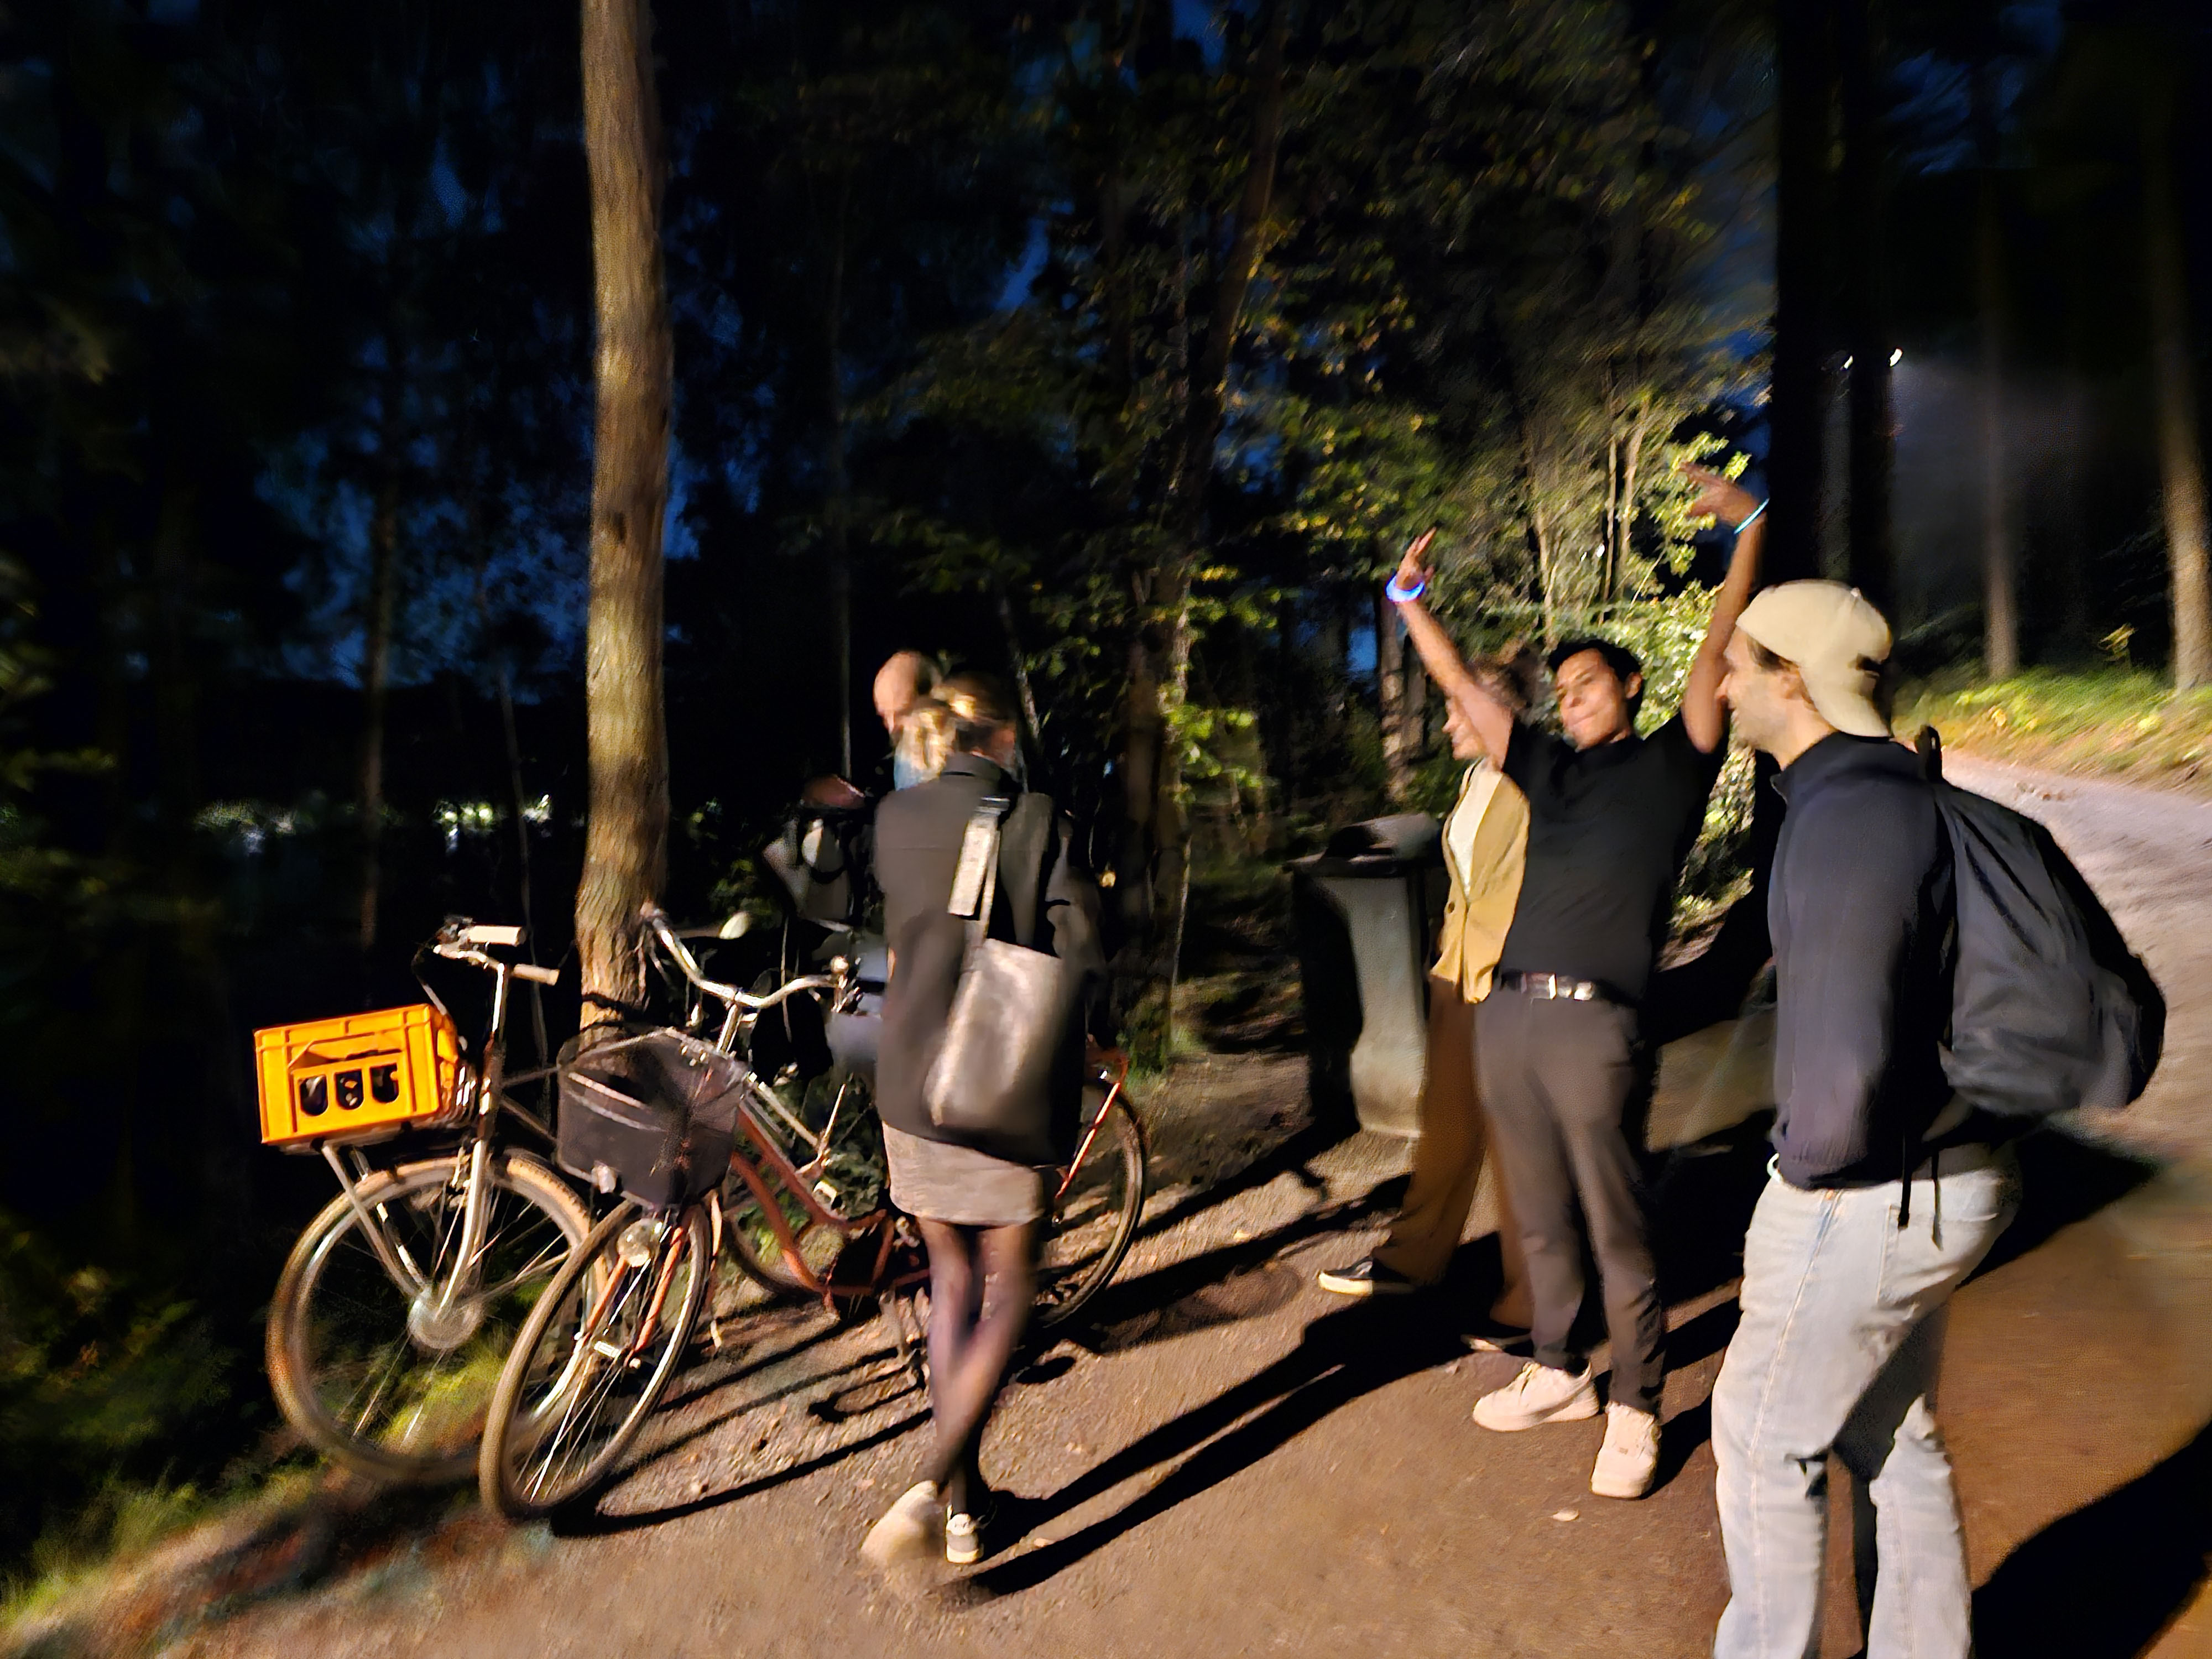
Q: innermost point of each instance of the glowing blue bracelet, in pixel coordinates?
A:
(1752, 519)
(1398, 595)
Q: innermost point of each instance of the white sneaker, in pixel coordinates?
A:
(1629, 1456)
(912, 1529)
(964, 1541)
(1541, 1394)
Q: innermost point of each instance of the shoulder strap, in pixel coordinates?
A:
(1929, 745)
(1029, 841)
(981, 842)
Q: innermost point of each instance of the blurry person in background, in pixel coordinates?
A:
(979, 1209)
(823, 856)
(917, 723)
(1559, 1055)
(923, 743)
(1485, 838)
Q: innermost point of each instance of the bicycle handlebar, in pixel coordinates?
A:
(728, 995)
(463, 940)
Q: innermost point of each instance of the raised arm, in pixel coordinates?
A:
(1481, 708)
(1703, 716)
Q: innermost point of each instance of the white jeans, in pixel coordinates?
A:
(1838, 1351)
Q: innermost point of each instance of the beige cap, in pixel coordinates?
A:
(1838, 642)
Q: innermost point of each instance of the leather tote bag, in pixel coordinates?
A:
(991, 1082)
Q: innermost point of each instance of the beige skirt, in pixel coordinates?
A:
(939, 1182)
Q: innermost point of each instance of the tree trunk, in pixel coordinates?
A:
(1540, 528)
(1614, 514)
(1132, 888)
(1159, 690)
(626, 835)
(1140, 736)
(1866, 309)
(1033, 726)
(2070, 536)
(2181, 457)
(836, 518)
(1624, 520)
(376, 679)
(1394, 702)
(503, 691)
(1797, 406)
(1114, 215)
(2000, 581)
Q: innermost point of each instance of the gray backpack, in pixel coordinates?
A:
(2050, 1010)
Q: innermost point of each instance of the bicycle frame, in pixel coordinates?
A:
(1121, 1076)
(488, 1079)
(759, 1146)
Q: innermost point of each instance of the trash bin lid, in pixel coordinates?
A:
(1393, 845)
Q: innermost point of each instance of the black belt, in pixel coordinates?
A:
(1557, 988)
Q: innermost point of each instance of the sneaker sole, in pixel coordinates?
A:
(888, 1549)
(902, 1534)
(1360, 1287)
(964, 1558)
(1574, 1411)
(1626, 1494)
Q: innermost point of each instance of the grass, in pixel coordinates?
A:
(2113, 722)
(127, 1521)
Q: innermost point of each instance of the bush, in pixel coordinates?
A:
(106, 1387)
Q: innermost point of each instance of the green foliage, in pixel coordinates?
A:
(2120, 722)
(103, 1384)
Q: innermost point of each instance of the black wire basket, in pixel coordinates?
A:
(652, 1116)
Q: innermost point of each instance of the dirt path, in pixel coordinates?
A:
(1231, 1463)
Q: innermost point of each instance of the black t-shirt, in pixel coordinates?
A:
(1609, 830)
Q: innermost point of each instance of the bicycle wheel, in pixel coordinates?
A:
(1093, 1219)
(829, 1131)
(394, 1379)
(593, 1359)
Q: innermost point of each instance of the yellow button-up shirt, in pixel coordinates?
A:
(1485, 845)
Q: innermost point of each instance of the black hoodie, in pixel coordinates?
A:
(1859, 907)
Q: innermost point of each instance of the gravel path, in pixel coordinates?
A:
(1228, 1462)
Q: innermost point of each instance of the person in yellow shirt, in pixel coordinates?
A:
(1484, 841)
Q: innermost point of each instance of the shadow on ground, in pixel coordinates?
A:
(2062, 1180)
(2103, 1582)
(1340, 1356)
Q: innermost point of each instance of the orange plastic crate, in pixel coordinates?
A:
(362, 1072)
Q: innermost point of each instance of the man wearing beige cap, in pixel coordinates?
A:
(1883, 1193)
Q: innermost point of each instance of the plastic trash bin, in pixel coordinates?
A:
(1363, 910)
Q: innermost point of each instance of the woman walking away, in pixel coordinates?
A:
(978, 1192)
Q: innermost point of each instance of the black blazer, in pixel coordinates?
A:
(1045, 901)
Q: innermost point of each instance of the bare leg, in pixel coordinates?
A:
(983, 1283)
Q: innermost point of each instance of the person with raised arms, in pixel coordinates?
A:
(1559, 1057)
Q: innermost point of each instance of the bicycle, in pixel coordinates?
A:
(397, 1305)
(823, 1184)
(592, 1369)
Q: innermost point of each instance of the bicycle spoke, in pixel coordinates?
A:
(397, 1381)
(538, 1266)
(598, 1361)
(398, 1351)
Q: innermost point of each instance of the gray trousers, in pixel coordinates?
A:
(1560, 1078)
